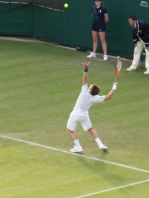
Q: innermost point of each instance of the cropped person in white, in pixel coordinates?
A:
(88, 97)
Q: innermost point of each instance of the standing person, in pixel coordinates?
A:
(89, 95)
(100, 18)
(140, 31)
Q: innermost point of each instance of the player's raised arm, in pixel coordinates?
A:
(118, 68)
(85, 73)
(110, 94)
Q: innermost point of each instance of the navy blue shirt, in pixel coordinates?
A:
(141, 32)
(98, 15)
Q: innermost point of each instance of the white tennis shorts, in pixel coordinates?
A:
(76, 118)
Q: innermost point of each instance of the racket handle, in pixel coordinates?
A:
(117, 73)
(116, 80)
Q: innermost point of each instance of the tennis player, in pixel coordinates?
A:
(89, 95)
(140, 31)
(100, 18)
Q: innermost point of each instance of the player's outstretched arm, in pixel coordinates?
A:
(111, 93)
(85, 73)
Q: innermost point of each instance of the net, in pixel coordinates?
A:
(53, 4)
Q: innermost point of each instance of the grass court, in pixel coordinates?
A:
(39, 85)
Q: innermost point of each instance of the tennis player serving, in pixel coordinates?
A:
(89, 95)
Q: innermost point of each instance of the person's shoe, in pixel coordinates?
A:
(147, 71)
(92, 55)
(104, 148)
(76, 149)
(131, 68)
(105, 57)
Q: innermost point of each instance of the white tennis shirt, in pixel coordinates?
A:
(86, 100)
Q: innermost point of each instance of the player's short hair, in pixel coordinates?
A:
(133, 17)
(95, 90)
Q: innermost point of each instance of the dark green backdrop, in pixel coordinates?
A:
(72, 26)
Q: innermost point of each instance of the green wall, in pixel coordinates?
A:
(16, 19)
(72, 27)
(48, 24)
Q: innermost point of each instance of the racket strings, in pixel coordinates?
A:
(119, 65)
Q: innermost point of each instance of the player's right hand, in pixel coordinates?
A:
(115, 85)
(87, 64)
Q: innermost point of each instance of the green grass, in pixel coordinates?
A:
(39, 85)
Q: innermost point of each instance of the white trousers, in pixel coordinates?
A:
(147, 59)
(137, 54)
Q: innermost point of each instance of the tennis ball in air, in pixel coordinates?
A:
(66, 5)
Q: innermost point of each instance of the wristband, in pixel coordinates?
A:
(114, 88)
(86, 69)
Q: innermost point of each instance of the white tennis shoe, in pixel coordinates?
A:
(105, 57)
(131, 68)
(147, 71)
(103, 147)
(92, 55)
(76, 149)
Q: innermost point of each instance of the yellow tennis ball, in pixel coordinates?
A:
(66, 5)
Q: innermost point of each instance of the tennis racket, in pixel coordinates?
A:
(118, 68)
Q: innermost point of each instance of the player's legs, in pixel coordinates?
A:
(77, 148)
(95, 44)
(95, 137)
(71, 127)
(104, 44)
(147, 60)
(87, 126)
(136, 57)
(73, 135)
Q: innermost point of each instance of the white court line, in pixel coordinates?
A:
(74, 154)
(112, 189)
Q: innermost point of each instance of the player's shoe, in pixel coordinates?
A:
(92, 55)
(147, 71)
(76, 149)
(131, 68)
(105, 57)
(103, 148)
